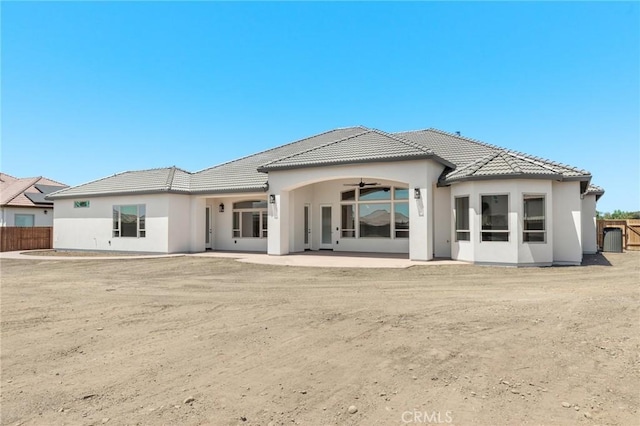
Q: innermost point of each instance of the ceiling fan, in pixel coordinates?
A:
(362, 184)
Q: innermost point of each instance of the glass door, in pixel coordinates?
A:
(307, 227)
(326, 228)
(207, 229)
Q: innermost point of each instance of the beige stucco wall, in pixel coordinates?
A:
(167, 219)
(40, 218)
(567, 223)
(589, 228)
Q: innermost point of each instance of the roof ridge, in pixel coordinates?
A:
(170, 176)
(7, 174)
(511, 162)
(274, 148)
(60, 183)
(465, 138)
(543, 162)
(481, 162)
(538, 161)
(319, 146)
(405, 141)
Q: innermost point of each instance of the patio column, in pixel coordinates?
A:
(278, 225)
(197, 228)
(420, 233)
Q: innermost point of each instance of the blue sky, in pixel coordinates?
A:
(94, 88)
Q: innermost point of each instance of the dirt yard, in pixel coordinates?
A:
(211, 341)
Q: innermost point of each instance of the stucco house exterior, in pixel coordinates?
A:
(23, 203)
(426, 193)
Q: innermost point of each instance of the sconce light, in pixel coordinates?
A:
(221, 208)
(45, 212)
(272, 198)
(416, 193)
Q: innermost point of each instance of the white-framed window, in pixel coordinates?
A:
(348, 220)
(461, 212)
(81, 204)
(376, 212)
(24, 220)
(534, 219)
(250, 219)
(130, 221)
(495, 217)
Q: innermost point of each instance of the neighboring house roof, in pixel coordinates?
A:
(464, 158)
(27, 192)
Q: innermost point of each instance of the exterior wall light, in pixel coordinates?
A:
(416, 193)
(221, 208)
(272, 198)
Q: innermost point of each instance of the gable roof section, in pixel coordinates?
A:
(368, 146)
(169, 180)
(26, 192)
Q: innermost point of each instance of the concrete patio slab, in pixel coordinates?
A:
(329, 259)
(319, 259)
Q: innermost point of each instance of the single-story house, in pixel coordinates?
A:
(23, 203)
(426, 193)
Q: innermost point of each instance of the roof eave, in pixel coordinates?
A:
(557, 177)
(115, 193)
(262, 188)
(425, 156)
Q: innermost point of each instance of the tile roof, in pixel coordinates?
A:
(456, 149)
(242, 175)
(370, 145)
(464, 158)
(595, 190)
(26, 192)
(503, 164)
(168, 179)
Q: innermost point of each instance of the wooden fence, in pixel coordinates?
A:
(630, 232)
(14, 238)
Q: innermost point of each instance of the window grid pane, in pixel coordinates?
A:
(348, 220)
(375, 220)
(401, 220)
(462, 219)
(401, 194)
(377, 193)
(129, 221)
(24, 220)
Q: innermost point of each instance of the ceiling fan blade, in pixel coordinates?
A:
(371, 184)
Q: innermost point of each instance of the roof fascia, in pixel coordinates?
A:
(242, 190)
(426, 156)
(115, 193)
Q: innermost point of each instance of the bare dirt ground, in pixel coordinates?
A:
(129, 341)
(78, 253)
